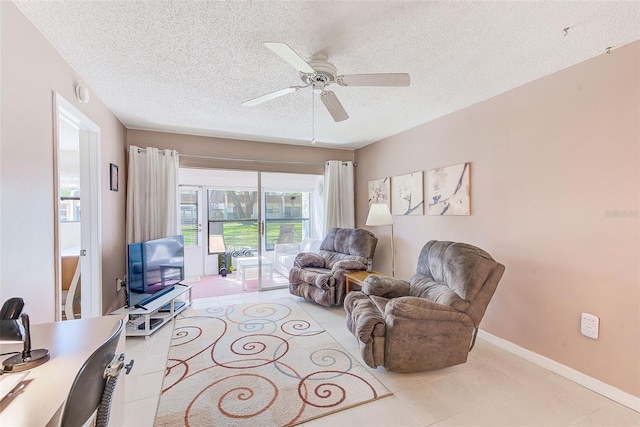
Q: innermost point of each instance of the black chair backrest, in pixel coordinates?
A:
(88, 386)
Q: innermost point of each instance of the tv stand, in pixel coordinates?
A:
(142, 320)
(155, 296)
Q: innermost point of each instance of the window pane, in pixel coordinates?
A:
(287, 218)
(70, 203)
(232, 204)
(189, 216)
(237, 235)
(233, 215)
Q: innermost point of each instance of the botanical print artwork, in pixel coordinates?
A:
(407, 195)
(379, 191)
(449, 190)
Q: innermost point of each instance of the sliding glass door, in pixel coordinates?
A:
(292, 208)
(249, 225)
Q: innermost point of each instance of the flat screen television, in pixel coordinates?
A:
(154, 267)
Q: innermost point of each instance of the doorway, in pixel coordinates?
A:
(77, 207)
(248, 224)
(191, 219)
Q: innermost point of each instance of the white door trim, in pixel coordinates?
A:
(91, 290)
(194, 255)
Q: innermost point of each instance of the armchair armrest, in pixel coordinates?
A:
(348, 264)
(387, 287)
(309, 259)
(424, 309)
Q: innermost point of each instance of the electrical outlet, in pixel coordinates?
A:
(589, 325)
(119, 284)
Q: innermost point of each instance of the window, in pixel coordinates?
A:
(287, 217)
(70, 203)
(189, 216)
(233, 214)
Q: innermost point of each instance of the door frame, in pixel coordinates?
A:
(91, 217)
(191, 250)
(199, 177)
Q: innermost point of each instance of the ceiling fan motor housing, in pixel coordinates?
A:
(325, 72)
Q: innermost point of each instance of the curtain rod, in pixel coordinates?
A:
(140, 150)
(291, 162)
(200, 156)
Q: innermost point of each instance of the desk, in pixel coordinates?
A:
(252, 262)
(357, 278)
(45, 389)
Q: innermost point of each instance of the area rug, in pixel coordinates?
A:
(215, 285)
(258, 364)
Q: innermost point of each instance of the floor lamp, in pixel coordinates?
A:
(379, 214)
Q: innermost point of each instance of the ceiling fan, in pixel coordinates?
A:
(319, 73)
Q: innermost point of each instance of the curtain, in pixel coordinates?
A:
(339, 195)
(152, 194)
(317, 214)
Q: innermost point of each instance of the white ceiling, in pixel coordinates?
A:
(187, 66)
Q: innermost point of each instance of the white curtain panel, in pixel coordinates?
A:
(318, 210)
(152, 194)
(339, 194)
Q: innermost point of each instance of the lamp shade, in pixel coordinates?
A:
(379, 214)
(216, 244)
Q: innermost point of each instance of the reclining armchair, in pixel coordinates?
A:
(431, 321)
(321, 277)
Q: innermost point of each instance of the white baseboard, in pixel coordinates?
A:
(577, 377)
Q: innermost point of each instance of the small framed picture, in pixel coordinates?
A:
(113, 173)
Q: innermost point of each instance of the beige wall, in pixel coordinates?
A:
(284, 157)
(549, 160)
(31, 70)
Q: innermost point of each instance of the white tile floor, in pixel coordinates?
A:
(494, 387)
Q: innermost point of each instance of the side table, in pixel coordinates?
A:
(357, 278)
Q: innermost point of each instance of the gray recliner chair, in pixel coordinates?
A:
(321, 277)
(431, 321)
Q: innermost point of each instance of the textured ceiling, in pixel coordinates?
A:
(186, 67)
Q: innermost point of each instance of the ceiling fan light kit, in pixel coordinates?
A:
(318, 73)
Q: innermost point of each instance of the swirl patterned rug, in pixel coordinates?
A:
(258, 364)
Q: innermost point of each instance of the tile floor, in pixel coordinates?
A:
(494, 387)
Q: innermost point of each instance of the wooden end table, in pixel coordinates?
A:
(357, 278)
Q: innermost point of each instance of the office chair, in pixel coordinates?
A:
(71, 297)
(94, 385)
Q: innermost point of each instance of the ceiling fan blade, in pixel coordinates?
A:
(269, 96)
(330, 100)
(382, 79)
(289, 55)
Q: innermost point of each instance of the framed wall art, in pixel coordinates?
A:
(449, 190)
(379, 191)
(113, 177)
(407, 197)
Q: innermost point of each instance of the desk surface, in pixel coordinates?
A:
(46, 387)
